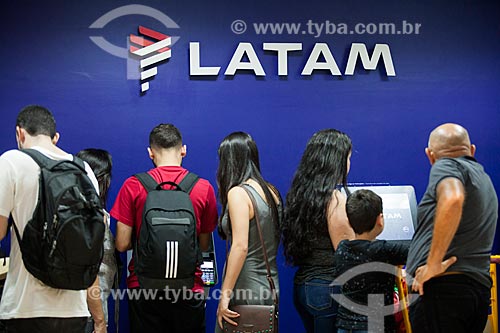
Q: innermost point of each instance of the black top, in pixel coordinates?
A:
(319, 264)
(353, 253)
(474, 237)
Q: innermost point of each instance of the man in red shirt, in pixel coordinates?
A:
(160, 314)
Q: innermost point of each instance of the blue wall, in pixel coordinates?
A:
(449, 72)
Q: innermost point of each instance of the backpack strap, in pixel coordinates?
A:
(78, 161)
(147, 181)
(48, 163)
(40, 159)
(188, 182)
(150, 183)
(187, 185)
(43, 162)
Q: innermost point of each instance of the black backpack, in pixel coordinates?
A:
(166, 254)
(62, 245)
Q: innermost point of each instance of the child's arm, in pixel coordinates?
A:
(393, 252)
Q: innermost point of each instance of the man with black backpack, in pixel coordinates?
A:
(167, 216)
(58, 224)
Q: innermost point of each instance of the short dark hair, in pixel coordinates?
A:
(363, 207)
(37, 120)
(165, 136)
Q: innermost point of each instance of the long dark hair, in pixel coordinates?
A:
(100, 162)
(238, 162)
(322, 168)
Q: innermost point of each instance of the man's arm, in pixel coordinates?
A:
(7, 190)
(94, 304)
(3, 226)
(208, 220)
(450, 199)
(123, 240)
(204, 241)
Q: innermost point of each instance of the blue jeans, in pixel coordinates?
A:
(316, 306)
(451, 303)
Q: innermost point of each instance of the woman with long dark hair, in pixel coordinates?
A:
(101, 163)
(245, 279)
(315, 222)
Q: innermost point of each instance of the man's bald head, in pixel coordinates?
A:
(449, 140)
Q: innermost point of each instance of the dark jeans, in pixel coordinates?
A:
(44, 325)
(159, 315)
(451, 303)
(89, 328)
(316, 306)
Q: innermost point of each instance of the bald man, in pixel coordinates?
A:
(450, 252)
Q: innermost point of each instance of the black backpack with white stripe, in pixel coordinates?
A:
(166, 253)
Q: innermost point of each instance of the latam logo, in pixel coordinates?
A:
(150, 52)
(156, 49)
(98, 28)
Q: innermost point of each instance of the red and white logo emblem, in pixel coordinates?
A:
(151, 52)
